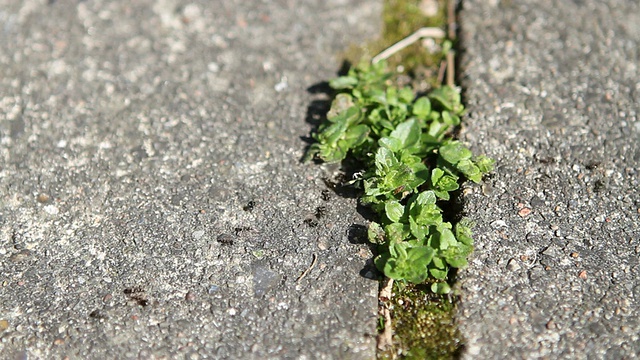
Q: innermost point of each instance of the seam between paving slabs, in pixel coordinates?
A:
(410, 171)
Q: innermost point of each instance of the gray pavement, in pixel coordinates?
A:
(553, 91)
(152, 202)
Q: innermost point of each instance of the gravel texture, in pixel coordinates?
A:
(152, 201)
(553, 92)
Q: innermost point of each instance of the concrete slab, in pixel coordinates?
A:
(152, 203)
(552, 89)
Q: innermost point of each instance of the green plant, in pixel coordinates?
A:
(411, 165)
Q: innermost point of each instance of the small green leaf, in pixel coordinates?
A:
(390, 143)
(394, 210)
(454, 152)
(457, 261)
(426, 198)
(422, 108)
(443, 183)
(405, 263)
(464, 232)
(470, 170)
(448, 98)
(438, 129)
(440, 288)
(485, 164)
(420, 256)
(406, 95)
(397, 232)
(450, 119)
(447, 238)
(408, 133)
(439, 274)
(356, 135)
(423, 209)
(438, 263)
(456, 255)
(419, 231)
(343, 82)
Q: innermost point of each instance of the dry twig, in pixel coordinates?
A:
(385, 339)
(313, 263)
(425, 32)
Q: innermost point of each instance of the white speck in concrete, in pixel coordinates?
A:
(51, 210)
(282, 85)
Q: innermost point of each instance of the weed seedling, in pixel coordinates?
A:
(410, 165)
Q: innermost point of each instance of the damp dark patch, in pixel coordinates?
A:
(321, 211)
(325, 195)
(225, 239)
(240, 230)
(98, 315)
(311, 222)
(137, 295)
(598, 186)
(249, 206)
(592, 165)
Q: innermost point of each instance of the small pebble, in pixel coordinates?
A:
(524, 212)
(551, 325)
(583, 274)
(58, 341)
(513, 265)
(4, 325)
(191, 296)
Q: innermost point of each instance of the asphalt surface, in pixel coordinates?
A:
(152, 202)
(553, 92)
(152, 199)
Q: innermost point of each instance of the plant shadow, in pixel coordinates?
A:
(339, 183)
(318, 108)
(357, 235)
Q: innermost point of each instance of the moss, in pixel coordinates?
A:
(400, 19)
(423, 323)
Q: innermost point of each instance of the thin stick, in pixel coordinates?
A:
(441, 70)
(386, 338)
(451, 19)
(424, 32)
(313, 263)
(451, 73)
(451, 60)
